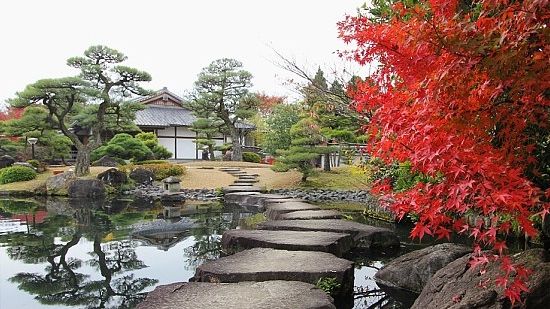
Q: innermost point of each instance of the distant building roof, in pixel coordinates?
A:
(165, 109)
(164, 116)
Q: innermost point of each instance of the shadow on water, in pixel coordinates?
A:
(82, 253)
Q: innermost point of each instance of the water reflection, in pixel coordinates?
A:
(84, 251)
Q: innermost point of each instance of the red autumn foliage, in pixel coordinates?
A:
(11, 113)
(457, 93)
(268, 102)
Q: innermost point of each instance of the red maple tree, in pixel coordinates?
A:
(462, 94)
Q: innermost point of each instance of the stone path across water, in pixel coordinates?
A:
(300, 242)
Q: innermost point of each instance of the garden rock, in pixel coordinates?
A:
(113, 177)
(263, 264)
(59, 184)
(243, 295)
(405, 277)
(90, 188)
(456, 286)
(25, 164)
(105, 161)
(6, 161)
(142, 176)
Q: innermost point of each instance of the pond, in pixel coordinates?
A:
(61, 253)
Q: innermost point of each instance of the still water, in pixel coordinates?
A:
(61, 253)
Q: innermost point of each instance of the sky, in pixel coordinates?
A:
(172, 40)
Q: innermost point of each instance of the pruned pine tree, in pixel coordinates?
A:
(222, 88)
(96, 98)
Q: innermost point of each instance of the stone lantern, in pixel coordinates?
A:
(172, 184)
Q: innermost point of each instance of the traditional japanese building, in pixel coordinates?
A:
(166, 116)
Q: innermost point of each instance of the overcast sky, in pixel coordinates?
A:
(172, 40)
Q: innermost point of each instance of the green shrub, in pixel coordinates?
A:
(251, 157)
(328, 284)
(279, 166)
(161, 171)
(150, 140)
(16, 173)
(34, 163)
(123, 146)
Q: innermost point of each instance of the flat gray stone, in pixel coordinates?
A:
(274, 210)
(232, 189)
(311, 215)
(242, 295)
(245, 181)
(364, 236)
(241, 185)
(263, 264)
(254, 200)
(230, 169)
(237, 240)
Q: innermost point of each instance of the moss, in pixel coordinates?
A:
(251, 222)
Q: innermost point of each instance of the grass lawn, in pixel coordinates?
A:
(346, 177)
(40, 179)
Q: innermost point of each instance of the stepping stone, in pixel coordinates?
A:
(240, 198)
(311, 215)
(338, 244)
(247, 177)
(230, 169)
(242, 295)
(232, 189)
(246, 181)
(241, 185)
(263, 264)
(364, 236)
(273, 211)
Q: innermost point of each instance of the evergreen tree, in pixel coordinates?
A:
(223, 89)
(96, 97)
(304, 150)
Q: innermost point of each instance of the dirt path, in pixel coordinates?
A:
(207, 175)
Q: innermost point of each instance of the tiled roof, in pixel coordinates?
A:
(166, 116)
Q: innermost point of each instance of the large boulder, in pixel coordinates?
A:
(6, 161)
(113, 177)
(142, 176)
(405, 277)
(457, 286)
(105, 161)
(91, 188)
(59, 184)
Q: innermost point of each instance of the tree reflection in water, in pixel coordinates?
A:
(212, 223)
(63, 281)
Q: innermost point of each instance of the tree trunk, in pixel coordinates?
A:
(211, 153)
(82, 165)
(237, 154)
(327, 162)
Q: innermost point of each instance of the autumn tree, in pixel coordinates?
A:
(223, 88)
(461, 94)
(96, 99)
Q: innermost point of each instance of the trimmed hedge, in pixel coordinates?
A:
(161, 171)
(16, 173)
(251, 157)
